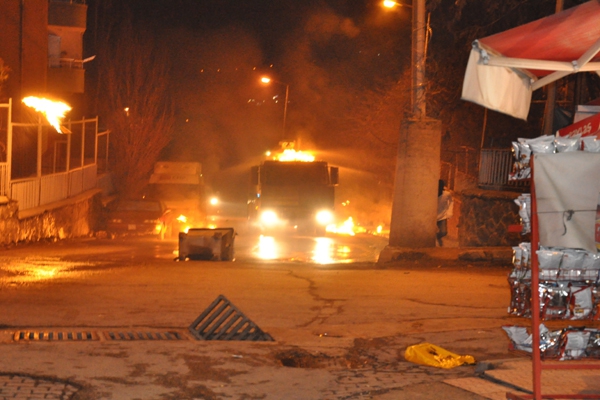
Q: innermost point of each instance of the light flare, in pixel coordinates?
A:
(54, 111)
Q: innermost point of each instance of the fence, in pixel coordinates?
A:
(44, 166)
(495, 166)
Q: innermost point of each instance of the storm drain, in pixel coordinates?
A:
(170, 335)
(64, 336)
(224, 321)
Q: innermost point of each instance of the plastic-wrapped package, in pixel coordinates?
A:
(525, 255)
(572, 259)
(550, 341)
(593, 347)
(591, 261)
(554, 300)
(581, 303)
(541, 145)
(524, 203)
(517, 254)
(567, 144)
(519, 281)
(549, 259)
(565, 344)
(591, 144)
(522, 155)
(575, 343)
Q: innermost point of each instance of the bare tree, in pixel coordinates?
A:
(134, 76)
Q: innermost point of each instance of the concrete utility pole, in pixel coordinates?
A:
(414, 208)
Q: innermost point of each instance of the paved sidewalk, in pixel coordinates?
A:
(13, 386)
(512, 375)
(505, 376)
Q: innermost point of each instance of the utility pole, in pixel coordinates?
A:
(414, 207)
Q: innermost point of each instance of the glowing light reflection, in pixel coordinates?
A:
(41, 269)
(267, 248)
(324, 248)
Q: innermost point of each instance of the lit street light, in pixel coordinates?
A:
(267, 80)
(392, 4)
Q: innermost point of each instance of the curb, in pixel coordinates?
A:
(495, 255)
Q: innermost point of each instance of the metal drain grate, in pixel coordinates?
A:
(170, 335)
(223, 321)
(47, 336)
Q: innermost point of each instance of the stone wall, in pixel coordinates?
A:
(485, 216)
(75, 218)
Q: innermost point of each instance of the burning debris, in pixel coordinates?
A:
(54, 111)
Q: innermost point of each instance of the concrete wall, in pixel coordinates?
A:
(484, 218)
(76, 218)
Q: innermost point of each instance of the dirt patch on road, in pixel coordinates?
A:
(364, 353)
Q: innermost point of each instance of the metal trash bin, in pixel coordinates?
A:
(206, 244)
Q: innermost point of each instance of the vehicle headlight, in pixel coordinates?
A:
(269, 217)
(324, 217)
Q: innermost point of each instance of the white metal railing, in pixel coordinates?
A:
(31, 192)
(26, 192)
(4, 186)
(53, 187)
(34, 192)
(90, 173)
(75, 182)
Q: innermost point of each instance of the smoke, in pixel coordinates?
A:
(322, 26)
(329, 61)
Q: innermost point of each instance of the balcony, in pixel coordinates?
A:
(66, 79)
(70, 14)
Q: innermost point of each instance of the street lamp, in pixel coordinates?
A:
(392, 4)
(267, 80)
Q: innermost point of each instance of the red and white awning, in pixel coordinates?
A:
(504, 69)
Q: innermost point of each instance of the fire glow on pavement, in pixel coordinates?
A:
(32, 270)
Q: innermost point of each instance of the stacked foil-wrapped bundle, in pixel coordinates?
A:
(568, 283)
(565, 344)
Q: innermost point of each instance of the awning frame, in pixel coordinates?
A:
(560, 68)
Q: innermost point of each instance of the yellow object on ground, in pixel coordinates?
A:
(435, 356)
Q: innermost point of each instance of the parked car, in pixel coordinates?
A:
(137, 217)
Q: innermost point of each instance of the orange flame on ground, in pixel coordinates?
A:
(345, 228)
(54, 111)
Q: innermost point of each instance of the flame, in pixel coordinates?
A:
(345, 228)
(293, 155)
(54, 111)
(182, 218)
